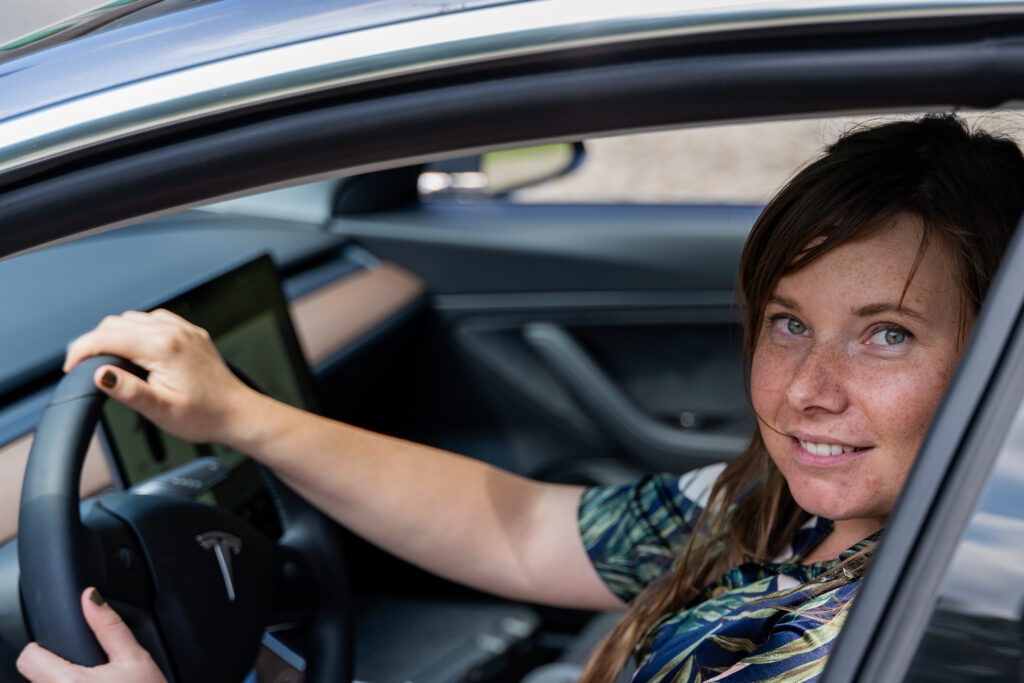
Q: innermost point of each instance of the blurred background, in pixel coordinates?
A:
(22, 17)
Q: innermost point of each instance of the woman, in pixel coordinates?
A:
(860, 281)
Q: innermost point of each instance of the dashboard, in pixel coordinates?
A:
(336, 302)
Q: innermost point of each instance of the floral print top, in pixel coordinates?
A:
(760, 621)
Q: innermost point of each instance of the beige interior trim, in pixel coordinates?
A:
(326, 320)
(338, 314)
(14, 457)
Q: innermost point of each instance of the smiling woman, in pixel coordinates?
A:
(860, 281)
(855, 353)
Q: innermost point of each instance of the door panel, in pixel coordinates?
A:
(601, 342)
(492, 247)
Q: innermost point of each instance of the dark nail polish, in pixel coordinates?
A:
(97, 598)
(108, 380)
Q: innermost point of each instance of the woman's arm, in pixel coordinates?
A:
(452, 515)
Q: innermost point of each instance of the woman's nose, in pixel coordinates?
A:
(817, 382)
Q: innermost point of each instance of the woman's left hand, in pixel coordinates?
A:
(128, 660)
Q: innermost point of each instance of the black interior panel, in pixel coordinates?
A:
(471, 248)
(642, 296)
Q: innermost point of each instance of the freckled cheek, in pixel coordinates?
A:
(770, 373)
(903, 405)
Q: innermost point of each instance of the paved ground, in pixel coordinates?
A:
(735, 163)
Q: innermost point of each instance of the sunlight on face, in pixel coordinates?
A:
(845, 382)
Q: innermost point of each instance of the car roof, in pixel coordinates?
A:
(172, 35)
(230, 54)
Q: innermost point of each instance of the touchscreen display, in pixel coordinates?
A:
(247, 317)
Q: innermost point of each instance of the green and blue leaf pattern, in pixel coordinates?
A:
(769, 620)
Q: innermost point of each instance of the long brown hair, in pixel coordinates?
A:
(967, 189)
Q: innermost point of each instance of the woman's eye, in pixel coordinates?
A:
(890, 336)
(790, 326)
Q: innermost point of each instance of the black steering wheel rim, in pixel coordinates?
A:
(53, 540)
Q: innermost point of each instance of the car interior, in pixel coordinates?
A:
(573, 341)
(565, 342)
(585, 341)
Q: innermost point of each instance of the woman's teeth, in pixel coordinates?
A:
(824, 449)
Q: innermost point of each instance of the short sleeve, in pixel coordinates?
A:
(633, 532)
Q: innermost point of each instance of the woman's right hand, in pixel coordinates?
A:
(190, 392)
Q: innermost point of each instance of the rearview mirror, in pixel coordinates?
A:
(494, 174)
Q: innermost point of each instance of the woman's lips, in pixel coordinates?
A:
(825, 454)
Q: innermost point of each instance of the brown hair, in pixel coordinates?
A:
(967, 189)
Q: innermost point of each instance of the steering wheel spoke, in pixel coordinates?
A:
(116, 564)
(296, 598)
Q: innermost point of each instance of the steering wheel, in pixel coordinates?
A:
(197, 584)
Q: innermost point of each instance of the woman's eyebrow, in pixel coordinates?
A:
(901, 309)
(784, 302)
(862, 312)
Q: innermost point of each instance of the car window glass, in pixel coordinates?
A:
(734, 164)
(976, 631)
(741, 163)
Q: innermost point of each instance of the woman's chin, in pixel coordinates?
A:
(837, 501)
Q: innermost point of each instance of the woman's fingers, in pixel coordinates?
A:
(113, 634)
(134, 335)
(42, 666)
(129, 661)
(125, 387)
(189, 391)
(166, 315)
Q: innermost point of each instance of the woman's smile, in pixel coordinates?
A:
(824, 454)
(850, 365)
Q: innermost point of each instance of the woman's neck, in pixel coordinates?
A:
(845, 533)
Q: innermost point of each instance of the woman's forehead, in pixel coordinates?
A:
(886, 267)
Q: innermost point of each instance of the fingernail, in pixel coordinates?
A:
(97, 598)
(108, 380)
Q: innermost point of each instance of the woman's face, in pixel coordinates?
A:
(845, 380)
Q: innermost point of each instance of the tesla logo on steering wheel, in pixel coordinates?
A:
(223, 546)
